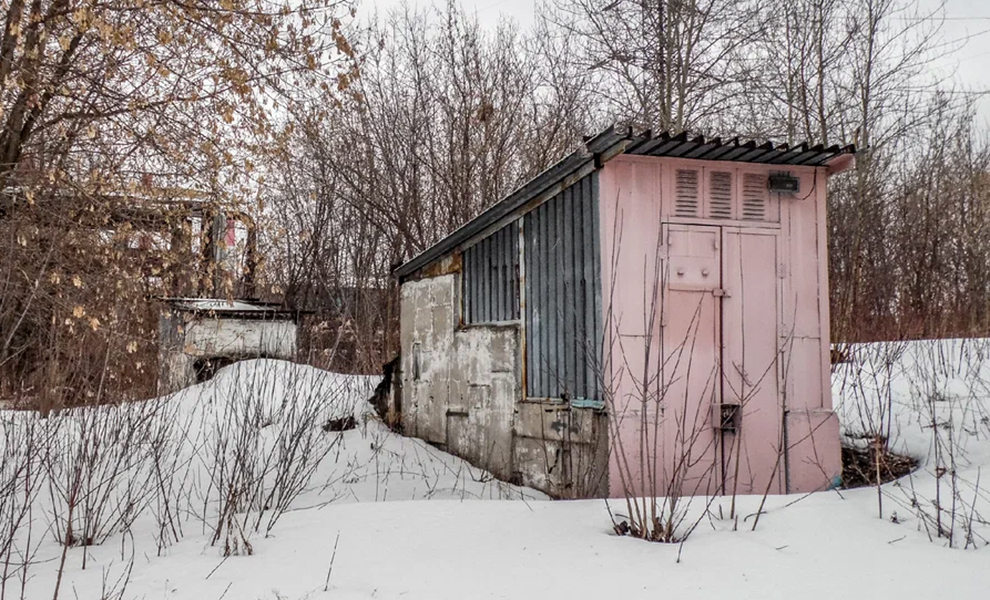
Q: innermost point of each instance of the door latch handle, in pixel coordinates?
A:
(742, 373)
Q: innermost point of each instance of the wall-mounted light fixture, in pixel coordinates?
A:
(784, 183)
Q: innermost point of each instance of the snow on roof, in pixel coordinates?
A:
(228, 307)
(215, 304)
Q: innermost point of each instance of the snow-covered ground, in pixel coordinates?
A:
(409, 521)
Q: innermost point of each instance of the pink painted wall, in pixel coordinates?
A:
(702, 311)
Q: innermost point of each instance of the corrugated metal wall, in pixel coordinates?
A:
(563, 294)
(491, 277)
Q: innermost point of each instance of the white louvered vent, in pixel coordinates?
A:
(754, 197)
(719, 195)
(686, 198)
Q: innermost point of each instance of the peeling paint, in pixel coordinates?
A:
(468, 398)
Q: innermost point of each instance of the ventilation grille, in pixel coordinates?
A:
(720, 195)
(754, 197)
(686, 196)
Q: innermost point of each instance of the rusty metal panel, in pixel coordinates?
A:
(491, 283)
(563, 295)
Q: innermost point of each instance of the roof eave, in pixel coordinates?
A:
(841, 163)
(601, 148)
(597, 150)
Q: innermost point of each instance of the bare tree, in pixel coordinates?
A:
(669, 64)
(111, 112)
(446, 118)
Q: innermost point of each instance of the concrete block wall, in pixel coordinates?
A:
(462, 390)
(460, 385)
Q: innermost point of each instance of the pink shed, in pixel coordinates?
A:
(646, 317)
(724, 384)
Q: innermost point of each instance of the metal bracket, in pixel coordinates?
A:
(721, 293)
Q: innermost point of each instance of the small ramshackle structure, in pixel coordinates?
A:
(213, 318)
(649, 315)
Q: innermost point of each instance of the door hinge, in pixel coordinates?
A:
(721, 293)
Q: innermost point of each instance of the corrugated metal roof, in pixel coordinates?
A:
(684, 145)
(608, 144)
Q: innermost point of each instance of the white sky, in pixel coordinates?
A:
(966, 32)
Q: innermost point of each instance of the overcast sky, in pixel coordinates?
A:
(966, 31)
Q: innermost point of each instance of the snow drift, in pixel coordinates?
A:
(236, 489)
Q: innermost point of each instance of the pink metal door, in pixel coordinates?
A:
(751, 450)
(721, 409)
(691, 325)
